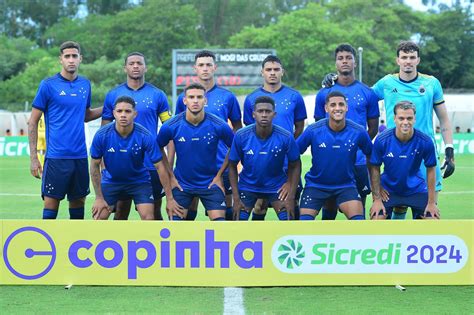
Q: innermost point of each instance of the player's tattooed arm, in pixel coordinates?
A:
(377, 204)
(35, 165)
(99, 204)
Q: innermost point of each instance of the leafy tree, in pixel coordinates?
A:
(103, 7)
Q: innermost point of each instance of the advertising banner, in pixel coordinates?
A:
(237, 253)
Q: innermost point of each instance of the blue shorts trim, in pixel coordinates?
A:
(362, 180)
(439, 178)
(212, 198)
(314, 198)
(158, 191)
(249, 198)
(227, 187)
(140, 193)
(63, 177)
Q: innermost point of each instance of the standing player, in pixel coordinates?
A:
(263, 149)
(334, 143)
(151, 105)
(65, 101)
(363, 109)
(289, 105)
(427, 94)
(196, 136)
(220, 102)
(122, 146)
(401, 150)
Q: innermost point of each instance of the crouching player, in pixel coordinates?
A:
(401, 150)
(196, 137)
(263, 149)
(334, 143)
(122, 146)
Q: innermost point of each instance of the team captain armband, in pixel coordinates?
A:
(164, 116)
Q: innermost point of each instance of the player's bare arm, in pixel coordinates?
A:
(377, 204)
(447, 134)
(373, 127)
(237, 203)
(299, 126)
(100, 204)
(431, 207)
(172, 207)
(93, 114)
(35, 165)
(217, 180)
(167, 166)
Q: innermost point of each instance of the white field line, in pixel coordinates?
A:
(234, 301)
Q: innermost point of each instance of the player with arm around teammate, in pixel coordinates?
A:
(196, 136)
(334, 143)
(262, 148)
(402, 150)
(122, 146)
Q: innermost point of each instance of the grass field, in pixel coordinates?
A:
(19, 199)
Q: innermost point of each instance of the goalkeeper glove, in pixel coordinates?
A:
(329, 80)
(448, 166)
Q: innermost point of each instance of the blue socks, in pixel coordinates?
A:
(357, 217)
(76, 213)
(49, 214)
(258, 217)
(306, 217)
(283, 215)
(244, 215)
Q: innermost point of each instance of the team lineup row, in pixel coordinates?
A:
(200, 138)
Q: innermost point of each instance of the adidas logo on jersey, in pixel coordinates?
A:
(111, 150)
(390, 154)
(249, 152)
(182, 139)
(62, 93)
(322, 145)
(223, 204)
(151, 197)
(395, 90)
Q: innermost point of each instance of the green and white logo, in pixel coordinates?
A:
(290, 254)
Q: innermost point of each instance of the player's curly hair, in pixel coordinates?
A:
(407, 47)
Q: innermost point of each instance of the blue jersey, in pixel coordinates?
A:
(263, 160)
(362, 104)
(196, 148)
(402, 161)
(124, 157)
(223, 104)
(289, 105)
(424, 91)
(64, 104)
(333, 153)
(150, 103)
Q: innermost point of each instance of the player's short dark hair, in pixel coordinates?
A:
(404, 105)
(345, 47)
(125, 99)
(69, 44)
(271, 58)
(407, 47)
(264, 100)
(192, 86)
(135, 53)
(335, 94)
(205, 53)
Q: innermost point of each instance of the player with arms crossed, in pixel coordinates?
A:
(196, 136)
(290, 108)
(151, 105)
(402, 150)
(65, 101)
(363, 108)
(263, 148)
(334, 143)
(122, 146)
(220, 102)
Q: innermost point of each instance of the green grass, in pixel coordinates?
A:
(20, 199)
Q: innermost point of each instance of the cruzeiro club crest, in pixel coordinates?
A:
(290, 254)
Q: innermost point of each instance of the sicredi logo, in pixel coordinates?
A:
(31, 263)
(355, 254)
(24, 261)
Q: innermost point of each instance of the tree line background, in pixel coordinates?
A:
(304, 33)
